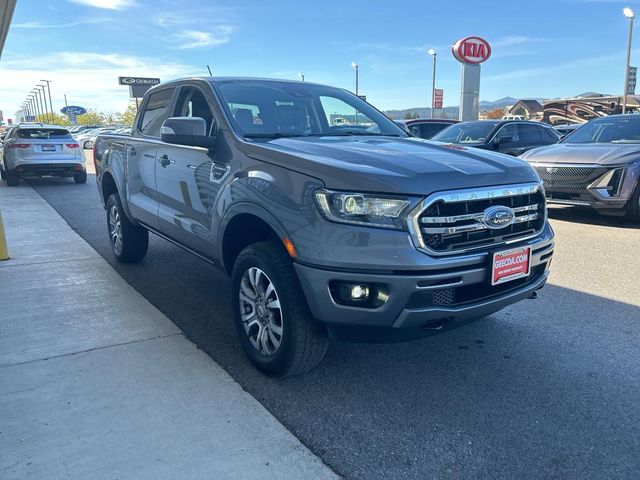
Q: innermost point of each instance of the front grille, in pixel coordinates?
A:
(572, 178)
(454, 221)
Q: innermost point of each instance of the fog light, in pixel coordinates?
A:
(359, 292)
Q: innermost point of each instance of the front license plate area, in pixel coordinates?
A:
(509, 265)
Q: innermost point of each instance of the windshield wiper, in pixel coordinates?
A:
(353, 134)
(273, 135)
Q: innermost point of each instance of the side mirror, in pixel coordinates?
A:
(189, 131)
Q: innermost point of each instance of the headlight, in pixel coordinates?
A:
(363, 209)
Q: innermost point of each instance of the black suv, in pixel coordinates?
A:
(512, 137)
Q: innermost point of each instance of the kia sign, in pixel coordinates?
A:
(473, 50)
(470, 52)
(73, 110)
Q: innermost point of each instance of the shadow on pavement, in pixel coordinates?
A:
(547, 388)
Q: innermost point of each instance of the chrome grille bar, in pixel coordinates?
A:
(476, 226)
(473, 216)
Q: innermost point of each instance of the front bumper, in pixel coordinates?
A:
(583, 185)
(424, 301)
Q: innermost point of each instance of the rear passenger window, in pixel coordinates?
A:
(529, 133)
(42, 133)
(156, 112)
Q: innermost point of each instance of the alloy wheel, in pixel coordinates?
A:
(260, 311)
(115, 229)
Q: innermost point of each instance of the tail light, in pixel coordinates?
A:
(72, 145)
(19, 145)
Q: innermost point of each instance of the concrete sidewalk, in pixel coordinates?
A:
(96, 383)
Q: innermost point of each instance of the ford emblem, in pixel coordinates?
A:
(498, 217)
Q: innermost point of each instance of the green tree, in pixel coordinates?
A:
(129, 115)
(92, 117)
(57, 119)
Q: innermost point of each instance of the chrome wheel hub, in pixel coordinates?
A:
(260, 311)
(115, 229)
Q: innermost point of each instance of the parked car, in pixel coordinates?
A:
(512, 137)
(89, 137)
(327, 230)
(427, 127)
(597, 165)
(41, 150)
(564, 130)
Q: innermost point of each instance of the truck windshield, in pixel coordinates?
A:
(275, 109)
(466, 132)
(608, 130)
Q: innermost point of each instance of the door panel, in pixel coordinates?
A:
(141, 180)
(141, 150)
(187, 181)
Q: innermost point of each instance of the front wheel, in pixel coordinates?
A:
(129, 242)
(87, 144)
(633, 207)
(273, 320)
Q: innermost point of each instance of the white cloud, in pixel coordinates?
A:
(107, 4)
(43, 25)
(200, 39)
(88, 79)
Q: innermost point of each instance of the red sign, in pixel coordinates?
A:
(472, 50)
(438, 95)
(510, 265)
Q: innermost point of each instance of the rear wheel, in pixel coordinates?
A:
(12, 178)
(87, 144)
(80, 177)
(129, 242)
(273, 320)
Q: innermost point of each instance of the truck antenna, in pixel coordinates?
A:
(210, 74)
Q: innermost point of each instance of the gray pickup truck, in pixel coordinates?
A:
(331, 220)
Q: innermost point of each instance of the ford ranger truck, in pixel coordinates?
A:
(332, 221)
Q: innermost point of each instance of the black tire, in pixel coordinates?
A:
(13, 179)
(87, 144)
(80, 177)
(303, 341)
(633, 207)
(3, 175)
(133, 239)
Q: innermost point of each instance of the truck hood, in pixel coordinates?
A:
(391, 165)
(587, 153)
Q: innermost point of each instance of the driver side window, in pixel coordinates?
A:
(192, 103)
(508, 132)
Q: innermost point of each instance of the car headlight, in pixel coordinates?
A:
(363, 209)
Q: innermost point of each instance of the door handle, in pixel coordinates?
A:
(165, 161)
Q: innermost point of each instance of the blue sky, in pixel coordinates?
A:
(547, 48)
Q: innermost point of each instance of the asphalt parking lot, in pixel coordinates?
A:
(547, 388)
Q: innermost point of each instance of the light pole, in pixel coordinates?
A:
(434, 55)
(630, 15)
(43, 99)
(35, 102)
(301, 76)
(50, 103)
(355, 66)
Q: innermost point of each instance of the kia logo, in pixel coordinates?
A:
(498, 217)
(472, 50)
